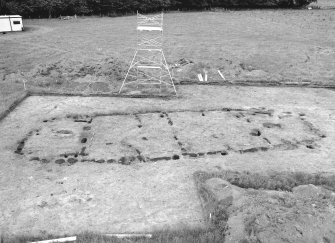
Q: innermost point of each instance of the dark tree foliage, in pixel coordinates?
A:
(54, 8)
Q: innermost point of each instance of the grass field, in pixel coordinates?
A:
(270, 47)
(270, 40)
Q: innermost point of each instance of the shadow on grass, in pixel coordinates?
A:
(164, 236)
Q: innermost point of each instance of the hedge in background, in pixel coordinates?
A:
(54, 8)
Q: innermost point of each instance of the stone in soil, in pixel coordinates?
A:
(59, 161)
(45, 161)
(72, 161)
(271, 125)
(255, 132)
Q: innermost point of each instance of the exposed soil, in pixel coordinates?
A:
(303, 214)
(185, 132)
(117, 181)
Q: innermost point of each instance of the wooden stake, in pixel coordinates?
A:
(221, 75)
(200, 77)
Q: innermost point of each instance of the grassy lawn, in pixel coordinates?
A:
(10, 94)
(249, 47)
(292, 43)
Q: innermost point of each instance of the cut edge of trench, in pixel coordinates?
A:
(27, 94)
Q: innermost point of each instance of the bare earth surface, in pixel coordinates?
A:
(107, 164)
(306, 214)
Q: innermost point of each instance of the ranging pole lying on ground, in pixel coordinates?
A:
(66, 239)
(122, 236)
(74, 238)
(149, 65)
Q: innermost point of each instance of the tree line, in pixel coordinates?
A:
(55, 8)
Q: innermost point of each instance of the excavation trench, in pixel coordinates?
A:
(163, 136)
(122, 165)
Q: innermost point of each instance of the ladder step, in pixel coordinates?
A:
(157, 67)
(149, 28)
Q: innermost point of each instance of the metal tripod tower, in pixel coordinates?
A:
(149, 65)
